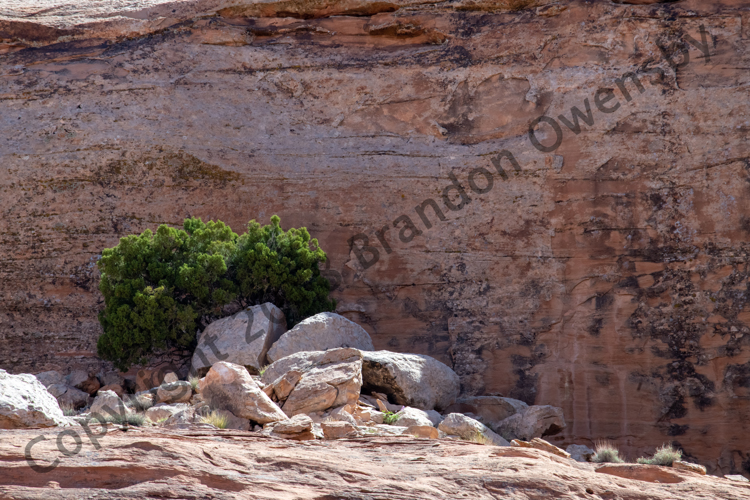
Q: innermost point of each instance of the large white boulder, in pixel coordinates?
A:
(326, 379)
(319, 333)
(230, 387)
(457, 424)
(412, 380)
(242, 339)
(25, 402)
(413, 416)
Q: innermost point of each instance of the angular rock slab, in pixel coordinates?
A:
(469, 429)
(83, 380)
(321, 332)
(540, 444)
(69, 396)
(108, 403)
(329, 379)
(338, 430)
(25, 402)
(688, 466)
(413, 380)
(242, 339)
(230, 387)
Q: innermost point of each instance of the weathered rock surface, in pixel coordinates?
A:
(83, 380)
(540, 444)
(173, 392)
(242, 339)
(49, 378)
(193, 463)
(321, 332)
(230, 387)
(107, 403)
(24, 402)
(457, 424)
(69, 396)
(298, 427)
(423, 431)
(688, 466)
(580, 452)
(328, 379)
(164, 411)
(116, 388)
(413, 416)
(491, 410)
(338, 429)
(532, 422)
(410, 379)
(588, 273)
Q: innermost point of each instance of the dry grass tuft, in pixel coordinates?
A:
(606, 452)
(665, 455)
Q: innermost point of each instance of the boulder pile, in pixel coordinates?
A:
(323, 379)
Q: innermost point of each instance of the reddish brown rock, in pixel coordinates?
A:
(117, 389)
(607, 277)
(230, 464)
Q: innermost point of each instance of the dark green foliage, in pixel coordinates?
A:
(159, 289)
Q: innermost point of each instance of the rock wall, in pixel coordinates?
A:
(608, 276)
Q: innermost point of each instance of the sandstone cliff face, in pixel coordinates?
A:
(608, 277)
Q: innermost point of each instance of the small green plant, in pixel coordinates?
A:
(390, 417)
(139, 403)
(194, 383)
(162, 420)
(136, 419)
(68, 410)
(263, 370)
(218, 420)
(606, 452)
(665, 455)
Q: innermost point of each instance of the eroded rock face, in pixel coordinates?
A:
(321, 332)
(242, 339)
(588, 272)
(24, 402)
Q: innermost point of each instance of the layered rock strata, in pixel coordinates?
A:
(607, 277)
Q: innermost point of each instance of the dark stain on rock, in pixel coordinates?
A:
(595, 328)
